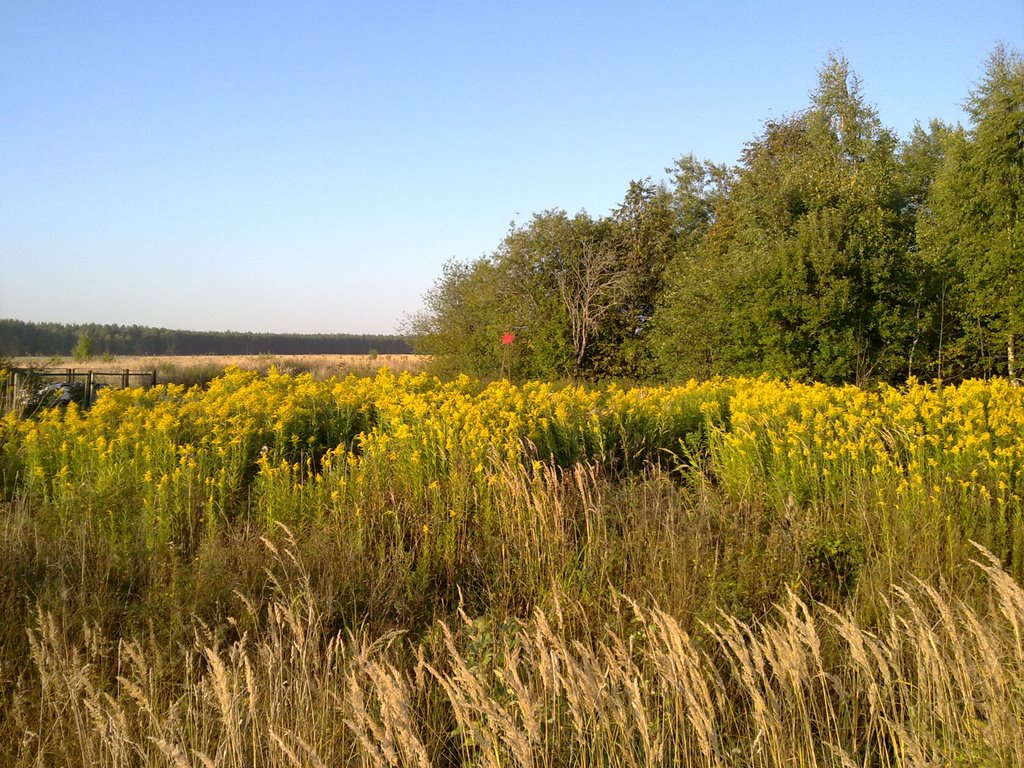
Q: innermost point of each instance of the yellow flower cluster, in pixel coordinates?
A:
(891, 456)
(167, 464)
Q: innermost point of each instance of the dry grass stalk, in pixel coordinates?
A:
(938, 682)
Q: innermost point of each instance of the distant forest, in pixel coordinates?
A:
(24, 339)
(833, 251)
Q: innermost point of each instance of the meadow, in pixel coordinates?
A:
(200, 369)
(278, 569)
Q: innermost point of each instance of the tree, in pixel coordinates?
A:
(804, 271)
(643, 232)
(844, 291)
(935, 319)
(559, 283)
(592, 280)
(513, 290)
(973, 224)
(570, 276)
(691, 329)
(700, 187)
(83, 347)
(462, 320)
(922, 156)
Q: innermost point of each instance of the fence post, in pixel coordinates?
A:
(124, 379)
(152, 378)
(90, 393)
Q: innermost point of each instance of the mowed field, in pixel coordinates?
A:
(322, 366)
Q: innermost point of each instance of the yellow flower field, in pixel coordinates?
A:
(278, 569)
(170, 464)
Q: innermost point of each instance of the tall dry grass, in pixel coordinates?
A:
(937, 683)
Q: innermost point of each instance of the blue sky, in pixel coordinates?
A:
(309, 166)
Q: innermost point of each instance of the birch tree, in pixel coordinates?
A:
(592, 280)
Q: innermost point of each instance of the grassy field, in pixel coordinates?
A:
(286, 570)
(188, 369)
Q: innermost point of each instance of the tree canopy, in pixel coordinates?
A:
(833, 251)
(973, 229)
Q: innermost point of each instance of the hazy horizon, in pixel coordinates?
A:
(208, 330)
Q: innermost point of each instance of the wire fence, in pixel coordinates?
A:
(31, 389)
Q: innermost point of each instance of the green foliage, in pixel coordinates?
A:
(807, 269)
(834, 252)
(834, 562)
(553, 283)
(83, 348)
(467, 312)
(578, 292)
(973, 226)
(646, 231)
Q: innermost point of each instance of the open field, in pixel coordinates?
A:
(175, 367)
(245, 362)
(278, 570)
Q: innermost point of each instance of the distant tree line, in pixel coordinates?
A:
(19, 338)
(833, 251)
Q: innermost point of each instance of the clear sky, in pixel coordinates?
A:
(310, 166)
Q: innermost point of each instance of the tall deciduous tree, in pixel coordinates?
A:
(691, 330)
(576, 291)
(973, 223)
(462, 319)
(805, 269)
(550, 282)
(936, 321)
(591, 281)
(643, 233)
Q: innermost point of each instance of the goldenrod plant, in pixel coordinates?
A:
(276, 569)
